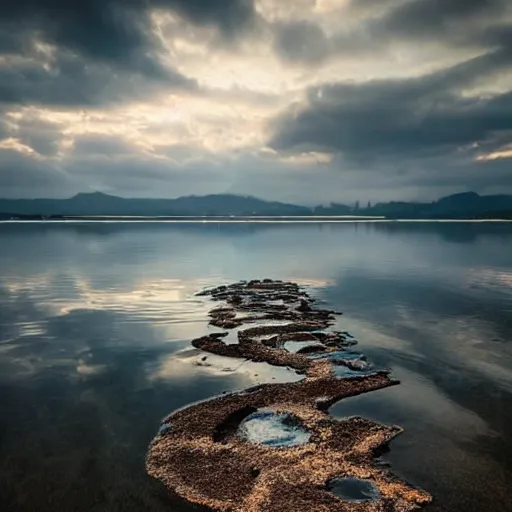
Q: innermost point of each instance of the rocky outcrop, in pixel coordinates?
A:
(201, 454)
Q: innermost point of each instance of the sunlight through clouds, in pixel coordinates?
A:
(237, 91)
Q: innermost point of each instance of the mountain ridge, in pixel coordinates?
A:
(461, 205)
(98, 203)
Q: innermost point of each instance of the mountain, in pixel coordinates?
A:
(103, 204)
(471, 204)
(465, 205)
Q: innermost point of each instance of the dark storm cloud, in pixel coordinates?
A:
(97, 41)
(496, 35)
(429, 17)
(41, 135)
(380, 118)
(105, 163)
(492, 175)
(136, 175)
(116, 31)
(101, 31)
(100, 144)
(301, 42)
(4, 131)
(12, 39)
(72, 81)
(230, 16)
(18, 169)
(454, 23)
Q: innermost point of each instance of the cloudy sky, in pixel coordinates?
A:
(307, 101)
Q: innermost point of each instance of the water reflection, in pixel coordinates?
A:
(354, 489)
(270, 428)
(95, 329)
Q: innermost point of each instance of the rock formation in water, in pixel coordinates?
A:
(274, 447)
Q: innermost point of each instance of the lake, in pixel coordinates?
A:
(96, 321)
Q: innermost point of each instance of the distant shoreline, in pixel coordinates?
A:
(97, 206)
(233, 220)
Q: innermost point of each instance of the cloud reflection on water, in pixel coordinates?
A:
(95, 325)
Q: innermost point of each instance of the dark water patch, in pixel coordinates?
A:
(354, 489)
(463, 458)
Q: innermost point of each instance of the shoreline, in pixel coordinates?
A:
(249, 220)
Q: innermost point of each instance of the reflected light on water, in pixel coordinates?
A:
(96, 323)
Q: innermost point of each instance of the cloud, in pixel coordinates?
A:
(142, 176)
(116, 31)
(417, 18)
(431, 22)
(20, 172)
(101, 31)
(100, 144)
(115, 164)
(41, 135)
(69, 81)
(301, 41)
(229, 16)
(288, 100)
(373, 28)
(4, 131)
(92, 53)
(376, 119)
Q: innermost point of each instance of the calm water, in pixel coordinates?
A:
(95, 329)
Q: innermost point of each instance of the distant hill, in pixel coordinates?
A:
(103, 204)
(465, 205)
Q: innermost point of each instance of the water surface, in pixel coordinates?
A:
(95, 329)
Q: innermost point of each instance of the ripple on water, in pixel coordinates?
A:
(354, 489)
(271, 428)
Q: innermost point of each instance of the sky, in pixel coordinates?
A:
(304, 101)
